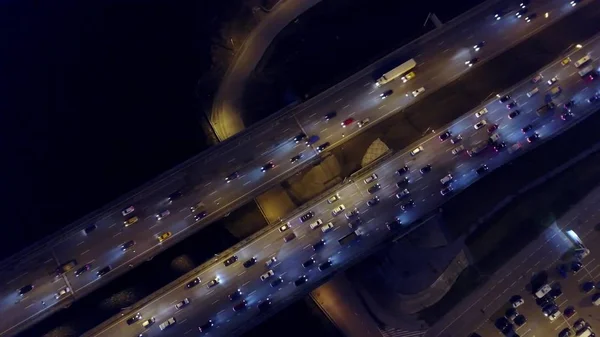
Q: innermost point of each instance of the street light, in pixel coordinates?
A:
(578, 46)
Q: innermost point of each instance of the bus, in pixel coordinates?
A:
(397, 72)
(582, 61)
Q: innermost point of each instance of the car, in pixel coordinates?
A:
(127, 211)
(322, 147)
(576, 266)
(355, 222)
(511, 313)
(549, 309)
(333, 198)
(530, 17)
(579, 324)
(161, 238)
(596, 299)
(402, 183)
(419, 91)
(555, 293)
(90, 229)
(552, 80)
(458, 149)
(289, 237)
(268, 166)
(353, 213)
(196, 281)
(554, 315)
(62, 292)
(133, 319)
(249, 263)
(520, 320)
(446, 190)
(498, 15)
(569, 105)
(82, 270)
(386, 94)
(511, 105)
(312, 140)
(364, 122)
(521, 12)
(544, 302)
(566, 332)
(327, 227)
(267, 275)
(284, 227)
(127, 245)
(480, 124)
(271, 261)
(566, 115)
(264, 305)
(588, 286)
(276, 282)
(425, 169)
(231, 177)
(174, 196)
(394, 224)
(148, 322)
(499, 146)
(308, 262)
(330, 115)
(516, 301)
(562, 270)
(318, 245)
(479, 45)
(162, 214)
(524, 3)
(472, 61)
(196, 206)
(200, 216)
(213, 282)
(299, 138)
(527, 128)
(347, 122)
(103, 271)
(336, 211)
(374, 188)
(481, 112)
(182, 303)
(296, 158)
(301, 280)
(447, 179)
(373, 201)
(502, 323)
(403, 194)
(492, 128)
(235, 295)
(533, 138)
(240, 306)
(403, 170)
(370, 178)
(504, 99)
(570, 311)
(130, 221)
(594, 98)
(444, 136)
(206, 326)
(406, 206)
(574, 3)
(537, 78)
(456, 139)
(416, 151)
(309, 215)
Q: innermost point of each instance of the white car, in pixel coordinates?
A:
(316, 224)
(327, 227)
(480, 124)
(481, 112)
(416, 151)
(405, 192)
(517, 303)
(418, 91)
(336, 211)
(554, 316)
(371, 178)
(271, 261)
(447, 179)
(62, 292)
(266, 275)
(364, 122)
(458, 150)
(333, 198)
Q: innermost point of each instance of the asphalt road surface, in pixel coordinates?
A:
(425, 189)
(544, 254)
(204, 181)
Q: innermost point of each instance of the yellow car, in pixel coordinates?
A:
(565, 61)
(131, 221)
(164, 236)
(408, 77)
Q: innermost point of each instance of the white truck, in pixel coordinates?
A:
(543, 291)
(586, 70)
(396, 72)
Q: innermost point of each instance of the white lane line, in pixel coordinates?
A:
(215, 302)
(84, 252)
(16, 278)
(245, 283)
(119, 233)
(381, 107)
(242, 273)
(213, 192)
(339, 100)
(113, 225)
(346, 106)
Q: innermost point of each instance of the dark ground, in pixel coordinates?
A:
(333, 40)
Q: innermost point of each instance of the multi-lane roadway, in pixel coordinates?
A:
(203, 181)
(212, 303)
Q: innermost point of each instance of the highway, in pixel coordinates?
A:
(203, 181)
(213, 303)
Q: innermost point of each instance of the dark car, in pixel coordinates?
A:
(373, 201)
(479, 45)
(24, 290)
(425, 169)
(103, 271)
(231, 260)
(530, 17)
(267, 166)
(319, 244)
(193, 283)
(569, 105)
(322, 147)
(533, 138)
(566, 332)
(264, 305)
(374, 188)
(576, 266)
(472, 61)
(588, 286)
(82, 270)
(514, 114)
(511, 105)
(295, 158)
(325, 265)
(511, 313)
(504, 99)
(520, 320)
(492, 128)
(174, 196)
(240, 306)
(402, 170)
(444, 136)
(200, 216)
(456, 139)
(308, 262)
(232, 176)
(127, 245)
(521, 12)
(555, 293)
(561, 269)
(501, 323)
(276, 282)
(206, 326)
(312, 140)
(250, 263)
(386, 94)
(134, 318)
(394, 224)
(408, 205)
(570, 311)
(330, 115)
(355, 223)
(594, 99)
(307, 216)
(90, 229)
(402, 182)
(300, 280)
(299, 138)
(566, 115)
(499, 146)
(235, 295)
(527, 128)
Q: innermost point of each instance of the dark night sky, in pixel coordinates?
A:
(97, 97)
